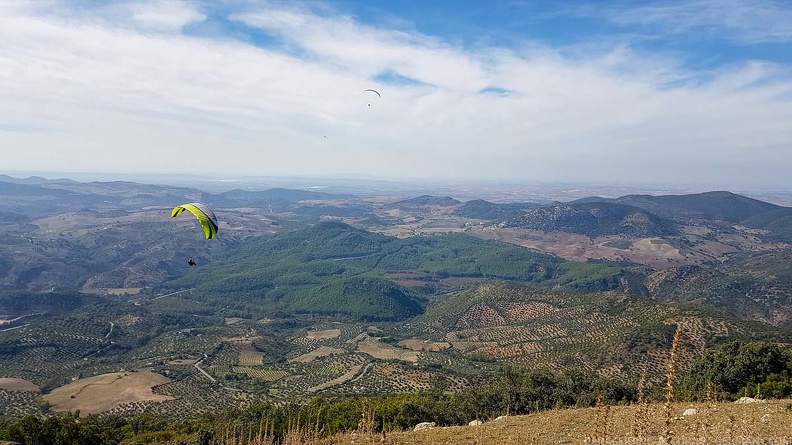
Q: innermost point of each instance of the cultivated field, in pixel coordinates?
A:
(384, 351)
(14, 384)
(104, 392)
(324, 334)
(417, 344)
(321, 351)
(704, 246)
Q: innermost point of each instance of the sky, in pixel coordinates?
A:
(604, 92)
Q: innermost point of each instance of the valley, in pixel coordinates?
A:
(308, 293)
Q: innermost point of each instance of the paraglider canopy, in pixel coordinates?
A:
(370, 91)
(205, 216)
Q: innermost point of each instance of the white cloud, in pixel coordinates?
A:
(749, 21)
(370, 50)
(166, 15)
(94, 92)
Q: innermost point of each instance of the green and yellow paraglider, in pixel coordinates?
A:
(205, 216)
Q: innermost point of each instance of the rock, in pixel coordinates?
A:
(747, 400)
(475, 422)
(691, 412)
(424, 426)
(501, 417)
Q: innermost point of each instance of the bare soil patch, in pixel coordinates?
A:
(385, 351)
(103, 392)
(322, 335)
(15, 384)
(321, 351)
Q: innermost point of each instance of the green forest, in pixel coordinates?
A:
(332, 267)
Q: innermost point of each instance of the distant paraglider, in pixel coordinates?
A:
(205, 216)
(372, 91)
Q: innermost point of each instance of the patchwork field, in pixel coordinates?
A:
(701, 245)
(321, 351)
(384, 351)
(250, 358)
(345, 377)
(417, 344)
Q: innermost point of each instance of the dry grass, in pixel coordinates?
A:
(670, 380)
(766, 423)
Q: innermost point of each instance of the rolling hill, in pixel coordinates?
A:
(427, 200)
(594, 219)
(715, 206)
(481, 209)
(330, 262)
(609, 331)
(777, 223)
(757, 285)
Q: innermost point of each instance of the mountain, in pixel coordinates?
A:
(29, 190)
(25, 196)
(36, 200)
(33, 180)
(12, 218)
(717, 205)
(594, 219)
(427, 200)
(481, 209)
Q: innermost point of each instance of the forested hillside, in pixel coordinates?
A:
(335, 268)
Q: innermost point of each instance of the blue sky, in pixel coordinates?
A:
(668, 92)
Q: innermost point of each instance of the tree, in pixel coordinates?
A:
(737, 364)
